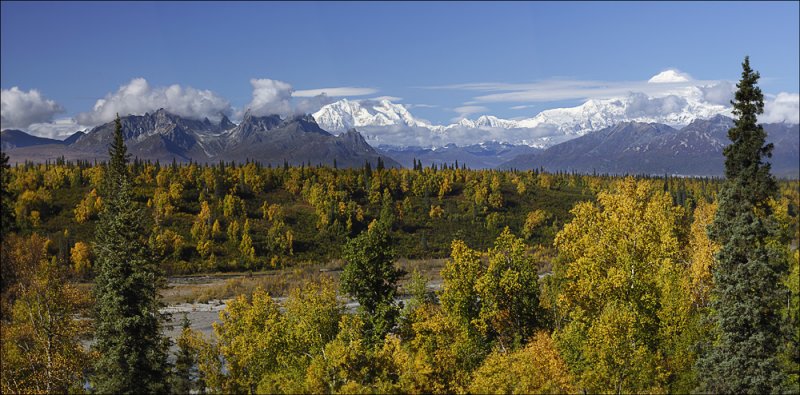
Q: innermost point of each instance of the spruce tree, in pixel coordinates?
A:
(132, 350)
(6, 200)
(748, 291)
(369, 276)
(185, 370)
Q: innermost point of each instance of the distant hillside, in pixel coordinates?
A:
(632, 147)
(12, 138)
(478, 156)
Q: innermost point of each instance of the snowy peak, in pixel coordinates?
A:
(669, 76)
(495, 122)
(387, 123)
(597, 114)
(346, 114)
(465, 122)
(485, 121)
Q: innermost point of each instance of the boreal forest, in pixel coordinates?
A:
(429, 279)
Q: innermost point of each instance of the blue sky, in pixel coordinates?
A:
(76, 53)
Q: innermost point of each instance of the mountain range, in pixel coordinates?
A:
(652, 148)
(12, 138)
(676, 134)
(164, 136)
(624, 147)
(385, 123)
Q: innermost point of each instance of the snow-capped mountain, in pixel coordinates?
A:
(346, 114)
(597, 114)
(484, 121)
(390, 124)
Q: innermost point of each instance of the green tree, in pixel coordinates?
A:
(185, 373)
(352, 364)
(509, 292)
(416, 288)
(6, 211)
(132, 350)
(748, 291)
(371, 278)
(499, 300)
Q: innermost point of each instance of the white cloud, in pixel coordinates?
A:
(669, 76)
(270, 97)
(137, 97)
(550, 91)
(662, 84)
(58, 129)
(278, 97)
(520, 107)
(335, 92)
(400, 135)
(389, 98)
(640, 105)
(785, 107)
(20, 109)
(309, 105)
(720, 93)
(410, 106)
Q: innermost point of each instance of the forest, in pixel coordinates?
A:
(551, 283)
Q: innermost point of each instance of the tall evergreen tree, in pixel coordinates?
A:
(748, 291)
(185, 372)
(370, 277)
(132, 349)
(6, 209)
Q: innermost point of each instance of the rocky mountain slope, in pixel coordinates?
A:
(164, 136)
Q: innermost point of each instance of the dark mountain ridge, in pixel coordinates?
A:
(12, 138)
(642, 148)
(164, 136)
